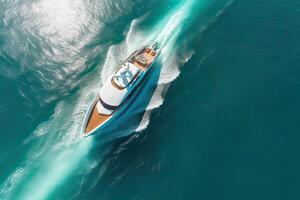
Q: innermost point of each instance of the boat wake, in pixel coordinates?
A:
(55, 153)
(171, 60)
(55, 150)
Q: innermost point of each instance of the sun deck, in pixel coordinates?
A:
(131, 69)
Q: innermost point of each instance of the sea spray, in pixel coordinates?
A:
(55, 170)
(56, 153)
(176, 53)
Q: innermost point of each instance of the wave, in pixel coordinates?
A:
(171, 60)
(55, 151)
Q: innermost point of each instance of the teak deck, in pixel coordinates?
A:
(97, 119)
(150, 59)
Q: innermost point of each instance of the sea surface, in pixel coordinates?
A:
(221, 121)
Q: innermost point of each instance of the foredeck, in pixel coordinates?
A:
(95, 120)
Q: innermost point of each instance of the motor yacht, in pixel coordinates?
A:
(119, 88)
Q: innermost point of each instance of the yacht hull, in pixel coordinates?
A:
(109, 122)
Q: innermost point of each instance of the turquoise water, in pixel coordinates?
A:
(222, 122)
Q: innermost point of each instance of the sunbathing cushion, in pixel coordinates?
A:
(125, 75)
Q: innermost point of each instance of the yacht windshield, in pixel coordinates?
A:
(125, 75)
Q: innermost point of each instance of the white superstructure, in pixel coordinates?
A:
(115, 89)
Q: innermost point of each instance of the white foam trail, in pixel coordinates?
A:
(55, 152)
(118, 53)
(56, 171)
(157, 98)
(112, 60)
(171, 62)
(7, 186)
(135, 37)
(56, 161)
(156, 101)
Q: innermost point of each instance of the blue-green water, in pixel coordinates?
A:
(223, 122)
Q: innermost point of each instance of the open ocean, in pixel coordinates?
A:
(222, 124)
